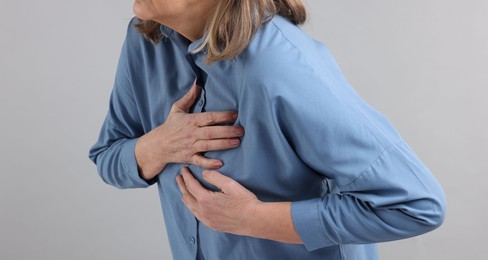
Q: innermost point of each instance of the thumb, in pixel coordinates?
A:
(219, 180)
(188, 99)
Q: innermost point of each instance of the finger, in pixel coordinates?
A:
(224, 183)
(218, 132)
(181, 185)
(204, 162)
(215, 145)
(213, 118)
(188, 99)
(187, 196)
(193, 185)
(187, 199)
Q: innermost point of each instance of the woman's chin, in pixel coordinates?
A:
(139, 12)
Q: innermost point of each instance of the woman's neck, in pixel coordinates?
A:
(192, 24)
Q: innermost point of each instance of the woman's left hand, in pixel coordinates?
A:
(230, 210)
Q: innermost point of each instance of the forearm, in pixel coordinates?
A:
(272, 220)
(344, 219)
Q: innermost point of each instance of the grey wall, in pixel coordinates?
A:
(422, 63)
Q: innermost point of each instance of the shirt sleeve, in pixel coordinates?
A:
(395, 198)
(113, 153)
(378, 189)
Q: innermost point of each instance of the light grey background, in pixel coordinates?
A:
(422, 63)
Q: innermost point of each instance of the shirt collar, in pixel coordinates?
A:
(194, 45)
(166, 31)
(180, 39)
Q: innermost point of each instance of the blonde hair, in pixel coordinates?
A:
(233, 24)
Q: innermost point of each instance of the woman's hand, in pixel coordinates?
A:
(229, 210)
(236, 210)
(183, 137)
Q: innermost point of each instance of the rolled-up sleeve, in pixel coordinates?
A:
(114, 151)
(397, 197)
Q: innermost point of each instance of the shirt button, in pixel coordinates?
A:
(200, 103)
(192, 240)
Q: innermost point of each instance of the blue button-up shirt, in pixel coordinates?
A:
(310, 139)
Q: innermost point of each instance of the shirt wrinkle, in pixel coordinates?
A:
(383, 153)
(279, 158)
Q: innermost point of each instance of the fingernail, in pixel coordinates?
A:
(239, 131)
(234, 116)
(235, 141)
(217, 164)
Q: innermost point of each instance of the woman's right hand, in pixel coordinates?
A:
(184, 136)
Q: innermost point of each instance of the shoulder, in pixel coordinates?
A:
(131, 28)
(139, 55)
(140, 49)
(134, 40)
(281, 53)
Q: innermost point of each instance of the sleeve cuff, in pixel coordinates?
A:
(130, 165)
(308, 223)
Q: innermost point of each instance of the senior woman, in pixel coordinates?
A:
(318, 174)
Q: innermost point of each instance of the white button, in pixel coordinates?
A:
(192, 240)
(200, 103)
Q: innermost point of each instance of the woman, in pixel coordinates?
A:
(318, 174)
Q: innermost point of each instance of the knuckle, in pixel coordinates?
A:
(210, 118)
(205, 146)
(192, 136)
(205, 163)
(206, 134)
(194, 159)
(189, 186)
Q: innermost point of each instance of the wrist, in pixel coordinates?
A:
(252, 215)
(148, 167)
(272, 220)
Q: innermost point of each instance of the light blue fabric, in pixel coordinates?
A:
(309, 138)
